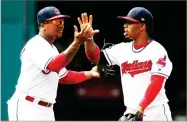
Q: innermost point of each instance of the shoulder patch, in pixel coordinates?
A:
(161, 62)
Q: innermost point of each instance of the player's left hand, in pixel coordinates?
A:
(137, 117)
(85, 20)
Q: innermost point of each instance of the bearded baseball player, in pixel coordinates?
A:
(144, 67)
(43, 68)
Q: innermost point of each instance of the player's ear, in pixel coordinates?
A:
(42, 26)
(143, 26)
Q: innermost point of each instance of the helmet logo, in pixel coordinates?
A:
(142, 19)
(57, 11)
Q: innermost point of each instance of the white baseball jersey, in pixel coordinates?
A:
(35, 80)
(136, 68)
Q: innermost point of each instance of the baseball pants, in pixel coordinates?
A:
(19, 109)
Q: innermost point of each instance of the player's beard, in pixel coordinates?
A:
(59, 33)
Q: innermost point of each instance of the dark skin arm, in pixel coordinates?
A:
(80, 38)
(89, 45)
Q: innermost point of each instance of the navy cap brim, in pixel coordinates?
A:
(128, 18)
(58, 17)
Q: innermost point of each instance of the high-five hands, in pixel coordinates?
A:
(83, 35)
(84, 21)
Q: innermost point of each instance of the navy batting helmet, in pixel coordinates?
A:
(49, 13)
(140, 14)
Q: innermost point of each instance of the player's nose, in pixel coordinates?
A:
(125, 25)
(60, 27)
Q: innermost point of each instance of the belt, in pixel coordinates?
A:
(40, 102)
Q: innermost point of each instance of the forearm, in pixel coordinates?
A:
(88, 75)
(90, 45)
(92, 51)
(71, 50)
(152, 90)
(64, 58)
(74, 77)
(57, 63)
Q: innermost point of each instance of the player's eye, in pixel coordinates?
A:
(58, 22)
(131, 22)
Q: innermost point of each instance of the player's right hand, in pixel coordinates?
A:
(95, 72)
(83, 35)
(85, 21)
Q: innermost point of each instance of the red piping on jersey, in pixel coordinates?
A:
(142, 45)
(93, 56)
(138, 72)
(152, 90)
(57, 63)
(73, 77)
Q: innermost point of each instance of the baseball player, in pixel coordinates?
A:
(43, 68)
(144, 67)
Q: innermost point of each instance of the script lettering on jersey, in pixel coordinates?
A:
(136, 67)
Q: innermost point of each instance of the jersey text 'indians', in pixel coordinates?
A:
(136, 67)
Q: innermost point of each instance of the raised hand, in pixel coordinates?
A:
(83, 35)
(86, 21)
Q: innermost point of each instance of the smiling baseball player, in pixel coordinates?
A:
(144, 66)
(43, 68)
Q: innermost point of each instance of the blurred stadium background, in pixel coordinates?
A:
(96, 99)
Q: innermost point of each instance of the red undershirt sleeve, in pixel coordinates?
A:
(152, 90)
(73, 77)
(57, 63)
(93, 56)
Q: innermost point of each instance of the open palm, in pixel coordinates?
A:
(84, 21)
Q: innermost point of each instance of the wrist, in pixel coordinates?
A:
(140, 109)
(88, 74)
(91, 38)
(76, 43)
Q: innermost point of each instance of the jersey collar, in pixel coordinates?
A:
(139, 48)
(142, 45)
